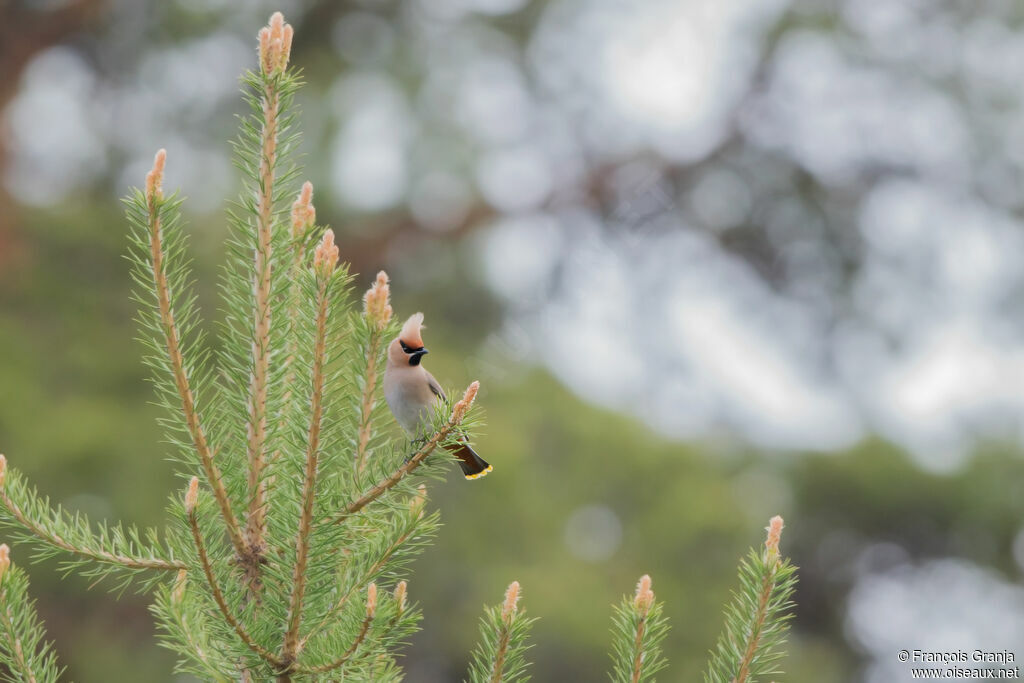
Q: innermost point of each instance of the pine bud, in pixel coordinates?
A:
(178, 592)
(265, 62)
(462, 407)
(419, 501)
(5, 560)
(275, 45)
(325, 258)
(155, 178)
(644, 595)
(303, 211)
(276, 26)
(3, 470)
(192, 495)
(371, 600)
(510, 607)
(286, 45)
(400, 596)
(774, 530)
(377, 302)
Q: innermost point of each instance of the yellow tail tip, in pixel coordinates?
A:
(482, 473)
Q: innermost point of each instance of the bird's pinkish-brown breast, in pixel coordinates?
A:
(408, 394)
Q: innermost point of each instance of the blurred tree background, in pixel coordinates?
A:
(711, 260)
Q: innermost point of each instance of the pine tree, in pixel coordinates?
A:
(299, 502)
(286, 557)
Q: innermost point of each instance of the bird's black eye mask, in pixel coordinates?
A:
(415, 355)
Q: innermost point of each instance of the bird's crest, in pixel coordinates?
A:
(410, 335)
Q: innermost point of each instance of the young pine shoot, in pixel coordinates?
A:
(500, 657)
(757, 619)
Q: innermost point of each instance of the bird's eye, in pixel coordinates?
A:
(405, 347)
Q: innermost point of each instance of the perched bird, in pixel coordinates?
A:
(412, 394)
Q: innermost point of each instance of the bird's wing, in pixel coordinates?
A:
(435, 388)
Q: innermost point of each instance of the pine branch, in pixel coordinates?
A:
(639, 628)
(413, 525)
(156, 208)
(757, 620)
(367, 402)
(377, 313)
(303, 219)
(375, 492)
(275, 43)
(501, 655)
(188, 633)
(22, 650)
(371, 611)
(191, 499)
(109, 545)
(326, 259)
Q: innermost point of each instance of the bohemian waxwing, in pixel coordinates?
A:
(412, 394)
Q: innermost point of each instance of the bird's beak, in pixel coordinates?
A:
(416, 356)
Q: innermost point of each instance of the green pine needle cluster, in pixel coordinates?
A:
(288, 555)
(120, 553)
(23, 650)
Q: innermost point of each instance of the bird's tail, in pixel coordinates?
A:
(473, 466)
